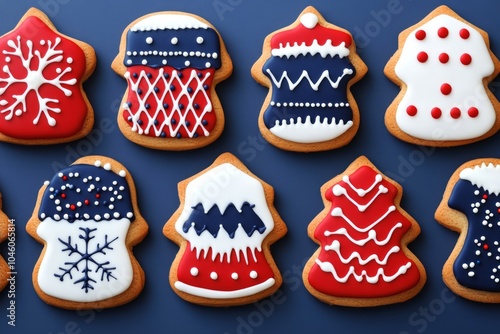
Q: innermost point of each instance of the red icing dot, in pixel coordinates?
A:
(443, 58)
(72, 207)
(411, 110)
(466, 59)
(97, 195)
(485, 246)
(445, 89)
(63, 195)
(436, 113)
(485, 196)
(64, 177)
(422, 57)
(473, 112)
(443, 32)
(87, 202)
(498, 210)
(455, 113)
(420, 35)
(464, 33)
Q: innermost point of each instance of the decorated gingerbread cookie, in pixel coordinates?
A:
(4, 268)
(309, 68)
(41, 95)
(443, 66)
(471, 207)
(172, 62)
(363, 259)
(88, 221)
(224, 226)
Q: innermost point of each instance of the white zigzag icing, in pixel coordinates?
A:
(485, 176)
(335, 246)
(372, 235)
(324, 50)
(337, 212)
(359, 191)
(310, 132)
(329, 268)
(338, 190)
(305, 75)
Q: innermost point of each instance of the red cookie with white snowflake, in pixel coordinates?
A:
(172, 62)
(224, 226)
(88, 221)
(41, 95)
(363, 233)
(443, 66)
(4, 267)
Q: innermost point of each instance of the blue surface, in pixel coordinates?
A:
(296, 177)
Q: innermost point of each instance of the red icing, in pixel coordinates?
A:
(446, 89)
(473, 112)
(455, 113)
(411, 110)
(422, 57)
(436, 113)
(174, 97)
(443, 32)
(301, 34)
(420, 35)
(224, 269)
(444, 58)
(464, 33)
(466, 59)
(73, 108)
(325, 282)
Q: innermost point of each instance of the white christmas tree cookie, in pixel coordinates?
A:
(224, 226)
(88, 221)
(471, 207)
(172, 62)
(443, 66)
(363, 259)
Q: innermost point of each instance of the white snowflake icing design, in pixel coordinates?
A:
(35, 64)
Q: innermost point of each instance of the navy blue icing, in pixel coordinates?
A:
(162, 43)
(201, 221)
(463, 198)
(303, 93)
(84, 192)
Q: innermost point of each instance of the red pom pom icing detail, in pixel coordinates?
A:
(473, 112)
(464, 33)
(446, 89)
(443, 32)
(443, 58)
(466, 59)
(420, 35)
(422, 57)
(455, 113)
(436, 113)
(411, 110)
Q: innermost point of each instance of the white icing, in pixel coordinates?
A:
(337, 212)
(486, 176)
(309, 20)
(52, 232)
(217, 294)
(329, 268)
(338, 190)
(160, 80)
(424, 81)
(224, 185)
(324, 50)
(359, 191)
(372, 235)
(335, 246)
(167, 21)
(310, 132)
(305, 75)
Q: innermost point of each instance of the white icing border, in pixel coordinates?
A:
(168, 22)
(310, 132)
(214, 294)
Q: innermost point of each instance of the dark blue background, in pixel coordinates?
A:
(296, 177)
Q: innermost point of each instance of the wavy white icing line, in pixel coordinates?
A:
(337, 212)
(329, 268)
(223, 244)
(314, 85)
(485, 176)
(216, 294)
(338, 190)
(324, 50)
(359, 191)
(335, 246)
(372, 235)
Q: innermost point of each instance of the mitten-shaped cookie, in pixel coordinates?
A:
(172, 62)
(41, 95)
(225, 225)
(88, 221)
(363, 259)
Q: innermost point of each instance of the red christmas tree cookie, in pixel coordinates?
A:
(225, 225)
(363, 259)
(41, 96)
